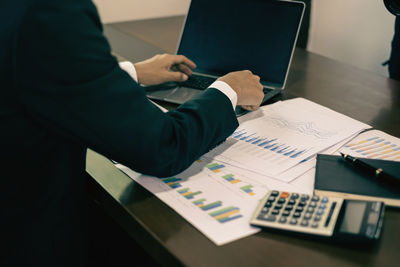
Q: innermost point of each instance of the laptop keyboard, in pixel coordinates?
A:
(198, 82)
(202, 83)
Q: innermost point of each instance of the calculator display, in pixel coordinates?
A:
(353, 217)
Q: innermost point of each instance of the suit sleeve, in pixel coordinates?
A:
(69, 83)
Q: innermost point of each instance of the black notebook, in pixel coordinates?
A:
(336, 177)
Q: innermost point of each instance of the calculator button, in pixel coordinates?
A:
(304, 223)
(275, 193)
(296, 215)
(284, 194)
(317, 218)
(310, 209)
(291, 202)
(307, 216)
(324, 200)
(312, 204)
(283, 220)
(302, 203)
(293, 221)
(320, 212)
(264, 210)
(278, 206)
(314, 225)
(271, 199)
(331, 210)
(304, 197)
(286, 213)
(294, 196)
(315, 198)
(281, 200)
(266, 217)
(322, 206)
(275, 212)
(268, 204)
(289, 207)
(299, 209)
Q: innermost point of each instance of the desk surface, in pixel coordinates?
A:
(172, 241)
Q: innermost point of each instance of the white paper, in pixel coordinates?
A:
(278, 137)
(212, 187)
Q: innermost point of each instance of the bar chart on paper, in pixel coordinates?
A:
(375, 145)
(242, 185)
(215, 209)
(281, 137)
(271, 147)
(218, 199)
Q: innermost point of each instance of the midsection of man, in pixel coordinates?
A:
(61, 92)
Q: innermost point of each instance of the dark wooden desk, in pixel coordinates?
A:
(172, 241)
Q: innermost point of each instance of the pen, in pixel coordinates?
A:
(379, 173)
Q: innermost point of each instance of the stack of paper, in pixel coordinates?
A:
(273, 148)
(281, 140)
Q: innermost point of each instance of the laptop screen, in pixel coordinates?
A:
(221, 36)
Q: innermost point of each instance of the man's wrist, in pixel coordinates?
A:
(226, 90)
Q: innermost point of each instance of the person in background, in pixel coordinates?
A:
(394, 61)
(62, 92)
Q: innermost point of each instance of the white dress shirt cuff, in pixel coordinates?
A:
(227, 90)
(129, 68)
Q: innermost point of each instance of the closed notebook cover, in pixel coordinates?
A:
(333, 174)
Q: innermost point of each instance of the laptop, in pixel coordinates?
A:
(222, 36)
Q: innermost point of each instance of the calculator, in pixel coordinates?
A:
(320, 216)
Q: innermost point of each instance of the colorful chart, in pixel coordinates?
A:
(226, 214)
(231, 178)
(172, 182)
(187, 193)
(223, 215)
(200, 203)
(217, 168)
(248, 190)
(376, 148)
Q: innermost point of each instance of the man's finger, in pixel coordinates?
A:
(176, 76)
(249, 107)
(180, 59)
(185, 69)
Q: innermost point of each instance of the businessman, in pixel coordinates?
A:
(61, 92)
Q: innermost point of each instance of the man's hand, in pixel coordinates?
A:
(248, 88)
(164, 68)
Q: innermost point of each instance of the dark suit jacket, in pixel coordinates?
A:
(61, 91)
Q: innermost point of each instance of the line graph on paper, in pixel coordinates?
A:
(306, 127)
(275, 154)
(281, 137)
